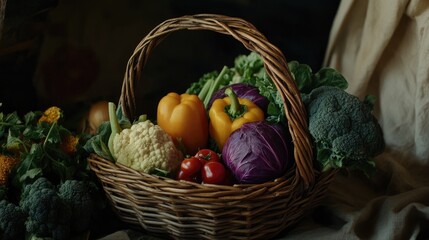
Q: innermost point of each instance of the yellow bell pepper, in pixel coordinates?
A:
(184, 118)
(229, 114)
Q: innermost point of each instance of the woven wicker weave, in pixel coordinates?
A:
(183, 210)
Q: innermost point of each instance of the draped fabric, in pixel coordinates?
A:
(382, 48)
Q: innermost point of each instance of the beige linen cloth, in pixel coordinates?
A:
(382, 48)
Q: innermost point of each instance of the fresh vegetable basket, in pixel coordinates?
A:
(182, 209)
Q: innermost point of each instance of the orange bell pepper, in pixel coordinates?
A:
(184, 118)
(229, 114)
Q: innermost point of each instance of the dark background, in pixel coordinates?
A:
(72, 53)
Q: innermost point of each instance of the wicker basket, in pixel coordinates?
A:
(184, 210)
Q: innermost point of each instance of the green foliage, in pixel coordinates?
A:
(38, 146)
(248, 67)
(306, 80)
(275, 110)
(196, 87)
(99, 142)
(209, 83)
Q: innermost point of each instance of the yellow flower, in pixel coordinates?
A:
(69, 143)
(51, 115)
(6, 165)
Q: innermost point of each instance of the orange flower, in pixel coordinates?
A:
(6, 165)
(69, 143)
(51, 115)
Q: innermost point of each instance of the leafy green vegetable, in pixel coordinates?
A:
(303, 76)
(330, 77)
(275, 110)
(209, 83)
(307, 81)
(248, 67)
(99, 142)
(196, 87)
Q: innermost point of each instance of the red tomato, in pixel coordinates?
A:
(183, 176)
(191, 166)
(202, 161)
(213, 173)
(208, 155)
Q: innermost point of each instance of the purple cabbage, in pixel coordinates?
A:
(243, 90)
(258, 152)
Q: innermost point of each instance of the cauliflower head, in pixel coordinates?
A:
(146, 147)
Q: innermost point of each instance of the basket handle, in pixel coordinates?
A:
(274, 63)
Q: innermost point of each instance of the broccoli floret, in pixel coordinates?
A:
(12, 221)
(48, 215)
(344, 130)
(79, 195)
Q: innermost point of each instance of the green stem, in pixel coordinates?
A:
(49, 134)
(45, 152)
(235, 109)
(114, 125)
(215, 86)
(142, 118)
(203, 93)
(9, 124)
(23, 144)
